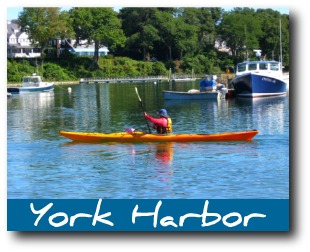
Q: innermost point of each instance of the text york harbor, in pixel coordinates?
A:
(138, 215)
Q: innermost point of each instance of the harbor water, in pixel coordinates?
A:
(41, 164)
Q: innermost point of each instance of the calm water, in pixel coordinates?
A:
(42, 164)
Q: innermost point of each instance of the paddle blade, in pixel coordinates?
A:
(137, 94)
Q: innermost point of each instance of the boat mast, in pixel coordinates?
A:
(169, 75)
(246, 44)
(280, 45)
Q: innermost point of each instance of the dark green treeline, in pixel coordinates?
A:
(180, 39)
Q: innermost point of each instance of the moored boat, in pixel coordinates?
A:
(192, 94)
(209, 89)
(32, 83)
(259, 79)
(147, 137)
(185, 79)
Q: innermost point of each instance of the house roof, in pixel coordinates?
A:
(12, 28)
(85, 47)
(89, 48)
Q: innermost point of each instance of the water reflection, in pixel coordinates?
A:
(29, 112)
(164, 153)
(160, 156)
(31, 100)
(128, 155)
(268, 114)
(164, 161)
(261, 101)
(196, 116)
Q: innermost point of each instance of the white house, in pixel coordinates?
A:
(84, 49)
(221, 45)
(18, 43)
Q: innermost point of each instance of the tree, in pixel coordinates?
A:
(166, 25)
(186, 39)
(138, 26)
(270, 41)
(241, 29)
(100, 26)
(202, 22)
(43, 25)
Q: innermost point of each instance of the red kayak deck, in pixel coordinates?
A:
(147, 137)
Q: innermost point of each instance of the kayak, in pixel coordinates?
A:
(147, 137)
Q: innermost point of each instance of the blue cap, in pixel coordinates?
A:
(163, 113)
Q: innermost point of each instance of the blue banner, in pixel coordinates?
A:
(156, 215)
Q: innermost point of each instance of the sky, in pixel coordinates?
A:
(12, 12)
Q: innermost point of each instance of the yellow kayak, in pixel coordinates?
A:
(147, 137)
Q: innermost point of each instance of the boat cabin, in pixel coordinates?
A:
(31, 81)
(270, 67)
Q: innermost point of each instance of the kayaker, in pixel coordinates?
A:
(163, 124)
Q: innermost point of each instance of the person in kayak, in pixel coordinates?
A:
(163, 124)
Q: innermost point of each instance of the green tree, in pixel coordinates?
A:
(100, 26)
(241, 29)
(245, 30)
(138, 26)
(270, 41)
(186, 37)
(209, 19)
(166, 25)
(44, 25)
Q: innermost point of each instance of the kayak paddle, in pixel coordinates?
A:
(147, 122)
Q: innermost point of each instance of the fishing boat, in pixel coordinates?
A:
(32, 83)
(259, 79)
(209, 89)
(149, 137)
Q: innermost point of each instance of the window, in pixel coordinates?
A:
(35, 80)
(263, 66)
(241, 67)
(252, 66)
(274, 67)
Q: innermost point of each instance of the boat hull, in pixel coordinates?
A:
(183, 80)
(174, 95)
(146, 137)
(255, 85)
(46, 88)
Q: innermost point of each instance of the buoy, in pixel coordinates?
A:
(155, 82)
(69, 89)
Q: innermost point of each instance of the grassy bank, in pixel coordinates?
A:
(73, 68)
(70, 67)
